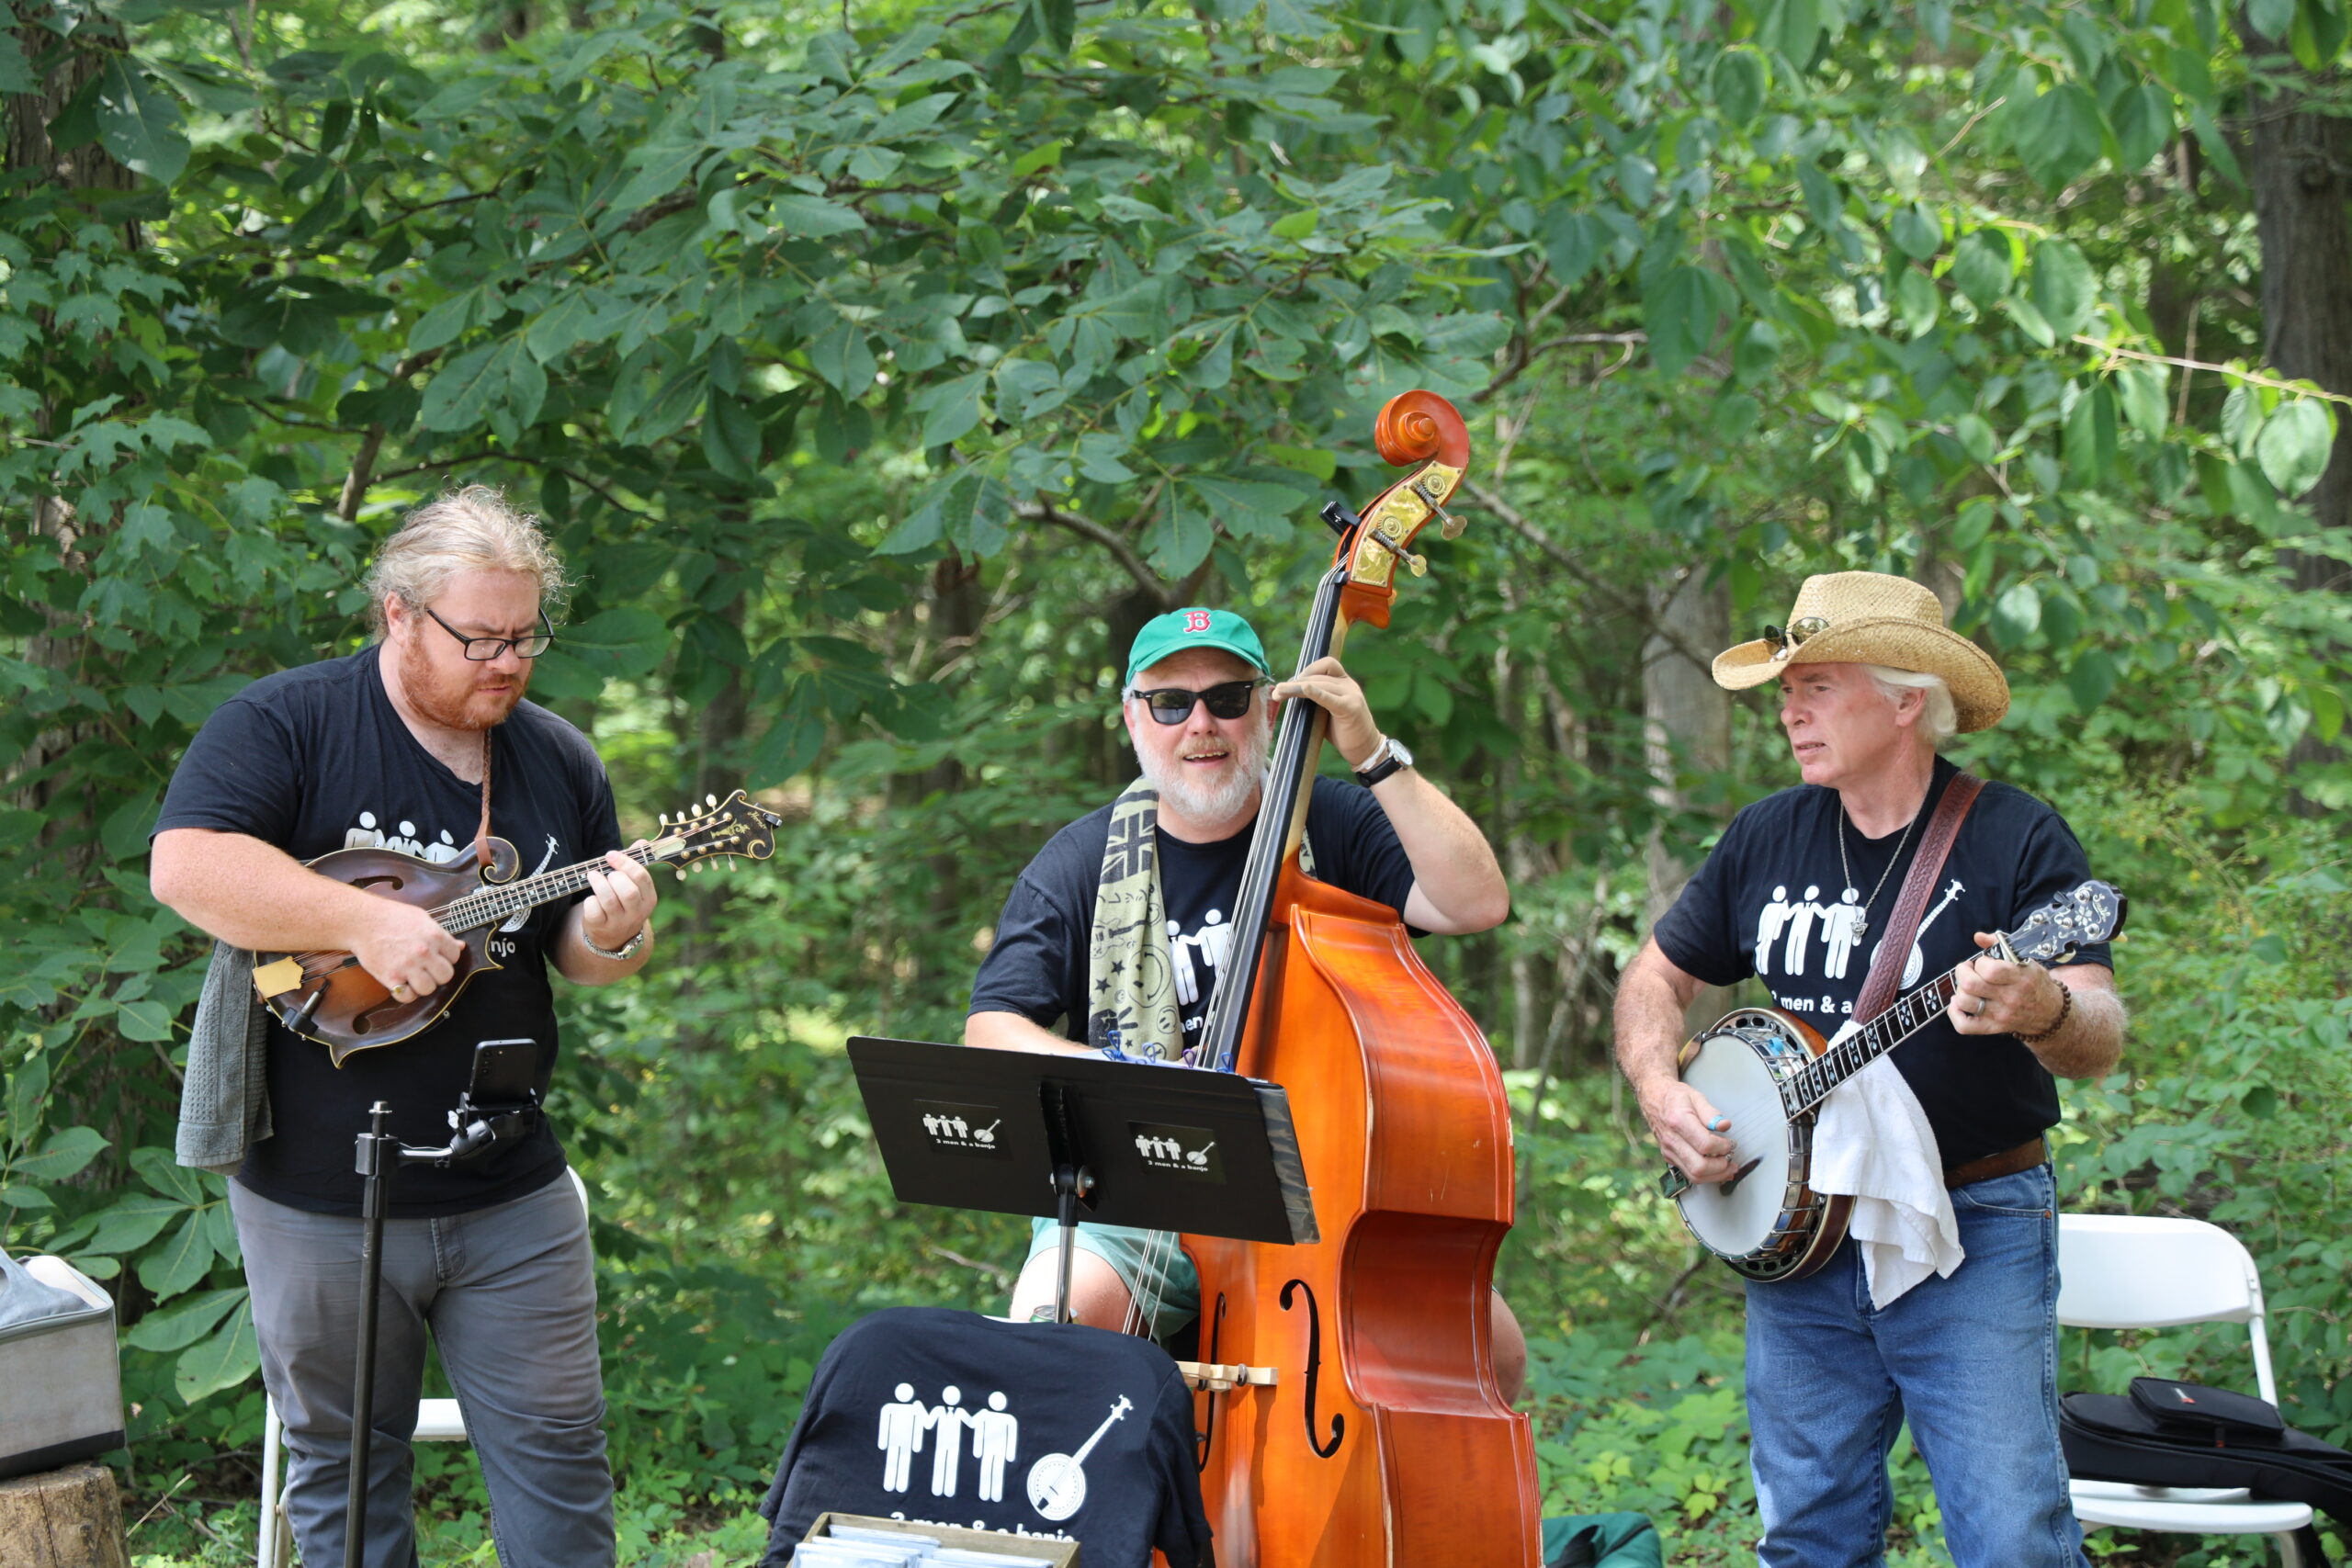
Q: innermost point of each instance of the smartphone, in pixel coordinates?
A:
(506, 1072)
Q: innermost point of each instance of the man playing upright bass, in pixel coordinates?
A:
(1870, 684)
(406, 744)
(1112, 939)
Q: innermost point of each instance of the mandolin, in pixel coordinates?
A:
(328, 998)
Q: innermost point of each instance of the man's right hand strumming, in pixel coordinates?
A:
(1691, 1134)
(1653, 996)
(405, 948)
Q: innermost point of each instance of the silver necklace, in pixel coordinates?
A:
(1862, 921)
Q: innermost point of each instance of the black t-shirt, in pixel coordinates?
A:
(950, 1418)
(317, 759)
(1039, 966)
(1772, 901)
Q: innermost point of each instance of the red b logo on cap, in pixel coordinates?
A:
(1196, 620)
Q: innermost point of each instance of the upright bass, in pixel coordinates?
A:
(1360, 1422)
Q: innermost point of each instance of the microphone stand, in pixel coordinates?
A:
(478, 1127)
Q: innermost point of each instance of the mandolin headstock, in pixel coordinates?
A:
(736, 826)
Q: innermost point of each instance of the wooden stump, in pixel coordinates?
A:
(62, 1518)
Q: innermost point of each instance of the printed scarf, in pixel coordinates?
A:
(1130, 967)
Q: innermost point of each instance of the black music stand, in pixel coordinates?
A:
(1045, 1134)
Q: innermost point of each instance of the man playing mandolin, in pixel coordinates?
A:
(1067, 954)
(1800, 892)
(417, 744)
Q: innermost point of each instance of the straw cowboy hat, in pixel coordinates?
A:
(1868, 618)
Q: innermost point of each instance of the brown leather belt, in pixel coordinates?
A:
(2008, 1162)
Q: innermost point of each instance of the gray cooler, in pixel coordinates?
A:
(61, 1386)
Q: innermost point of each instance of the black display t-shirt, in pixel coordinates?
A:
(950, 1418)
(317, 759)
(1772, 901)
(1039, 966)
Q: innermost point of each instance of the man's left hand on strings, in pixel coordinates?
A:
(1991, 995)
(1329, 687)
(621, 896)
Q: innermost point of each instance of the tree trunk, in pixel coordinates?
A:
(27, 115)
(1685, 726)
(62, 1518)
(2300, 161)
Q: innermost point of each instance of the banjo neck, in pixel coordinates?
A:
(1910, 1014)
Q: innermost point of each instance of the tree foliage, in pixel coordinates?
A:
(881, 372)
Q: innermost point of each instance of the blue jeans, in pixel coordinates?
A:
(1970, 1361)
(509, 1293)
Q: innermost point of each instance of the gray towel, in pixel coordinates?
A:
(224, 1096)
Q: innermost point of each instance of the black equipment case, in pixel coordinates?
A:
(2182, 1434)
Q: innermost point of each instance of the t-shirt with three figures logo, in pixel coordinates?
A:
(1773, 901)
(950, 1418)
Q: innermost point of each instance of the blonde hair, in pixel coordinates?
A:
(1938, 718)
(471, 529)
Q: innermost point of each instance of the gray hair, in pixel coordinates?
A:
(1939, 720)
(471, 529)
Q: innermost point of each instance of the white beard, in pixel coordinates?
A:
(1213, 803)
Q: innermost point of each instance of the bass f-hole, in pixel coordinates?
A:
(1314, 1369)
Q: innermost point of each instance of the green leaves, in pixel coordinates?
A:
(1738, 81)
(1679, 313)
(2058, 134)
(812, 217)
(137, 122)
(953, 408)
(2063, 288)
(2295, 444)
(65, 1154)
(499, 384)
(1981, 264)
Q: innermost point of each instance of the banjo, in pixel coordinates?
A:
(1769, 1070)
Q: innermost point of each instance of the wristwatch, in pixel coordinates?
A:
(1390, 758)
(625, 950)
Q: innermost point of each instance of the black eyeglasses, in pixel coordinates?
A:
(1173, 704)
(1784, 640)
(482, 649)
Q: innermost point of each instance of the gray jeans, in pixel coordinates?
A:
(510, 1296)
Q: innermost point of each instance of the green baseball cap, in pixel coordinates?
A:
(1180, 629)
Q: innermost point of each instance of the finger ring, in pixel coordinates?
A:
(399, 992)
(1978, 1010)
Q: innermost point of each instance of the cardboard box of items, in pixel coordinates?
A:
(946, 1540)
(61, 1384)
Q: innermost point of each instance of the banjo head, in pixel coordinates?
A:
(1761, 1225)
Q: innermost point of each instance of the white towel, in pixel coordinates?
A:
(1872, 1142)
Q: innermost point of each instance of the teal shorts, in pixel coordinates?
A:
(1148, 1263)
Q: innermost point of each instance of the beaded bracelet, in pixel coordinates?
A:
(2065, 1007)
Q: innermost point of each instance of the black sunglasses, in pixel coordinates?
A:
(482, 649)
(1173, 704)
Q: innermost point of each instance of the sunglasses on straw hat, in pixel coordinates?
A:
(1784, 640)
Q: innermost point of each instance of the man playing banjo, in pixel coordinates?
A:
(1799, 892)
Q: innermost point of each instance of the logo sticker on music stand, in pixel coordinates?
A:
(1179, 1151)
(963, 1129)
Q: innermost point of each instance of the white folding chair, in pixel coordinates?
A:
(2129, 1271)
(437, 1421)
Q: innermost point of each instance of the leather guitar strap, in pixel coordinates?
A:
(1902, 926)
(482, 834)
